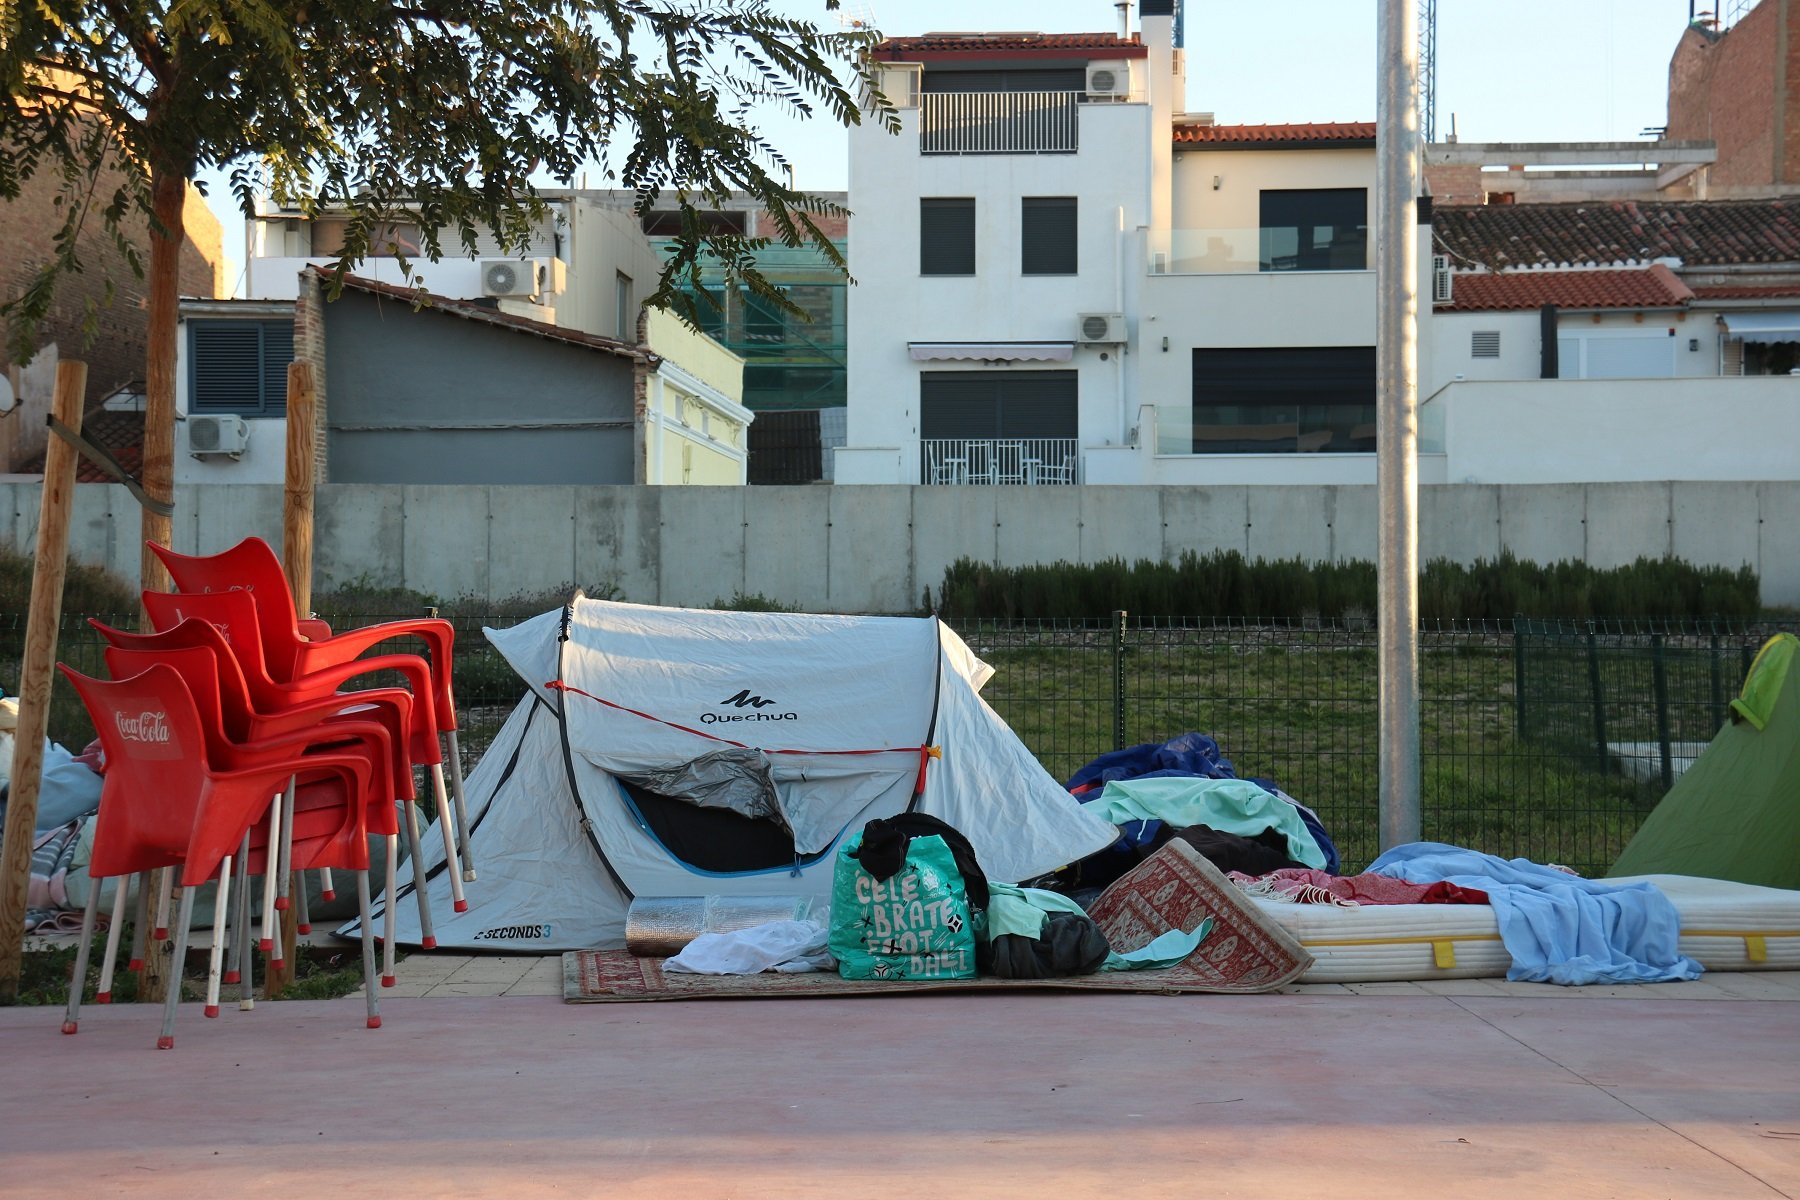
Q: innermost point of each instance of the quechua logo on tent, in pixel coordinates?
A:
(747, 700)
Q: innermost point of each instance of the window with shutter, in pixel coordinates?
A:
(947, 236)
(1047, 235)
(998, 404)
(239, 367)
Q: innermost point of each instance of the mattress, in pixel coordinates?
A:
(1724, 927)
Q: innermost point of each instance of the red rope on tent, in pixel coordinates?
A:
(925, 753)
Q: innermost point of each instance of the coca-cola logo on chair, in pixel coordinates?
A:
(151, 727)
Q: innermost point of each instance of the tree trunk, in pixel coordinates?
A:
(168, 194)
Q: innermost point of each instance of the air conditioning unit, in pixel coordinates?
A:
(512, 276)
(224, 435)
(1441, 277)
(1100, 328)
(1108, 81)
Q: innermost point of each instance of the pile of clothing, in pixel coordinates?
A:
(1557, 927)
(1186, 788)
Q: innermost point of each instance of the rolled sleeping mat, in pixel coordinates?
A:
(661, 926)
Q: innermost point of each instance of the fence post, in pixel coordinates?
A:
(1593, 644)
(1659, 683)
(1718, 687)
(1118, 663)
(1518, 679)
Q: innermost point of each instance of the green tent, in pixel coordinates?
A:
(1735, 814)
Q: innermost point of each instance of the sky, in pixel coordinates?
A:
(1507, 70)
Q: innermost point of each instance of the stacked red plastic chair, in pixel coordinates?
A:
(166, 804)
(291, 652)
(379, 721)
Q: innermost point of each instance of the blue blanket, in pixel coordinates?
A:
(1559, 928)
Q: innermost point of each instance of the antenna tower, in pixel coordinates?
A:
(1428, 70)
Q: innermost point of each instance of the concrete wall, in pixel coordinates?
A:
(875, 549)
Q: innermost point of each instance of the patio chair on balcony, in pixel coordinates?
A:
(980, 462)
(944, 467)
(1009, 461)
(1056, 469)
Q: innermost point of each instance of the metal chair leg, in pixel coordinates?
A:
(140, 921)
(368, 950)
(427, 933)
(182, 924)
(268, 943)
(303, 920)
(462, 807)
(215, 960)
(388, 919)
(72, 1014)
(113, 930)
(447, 827)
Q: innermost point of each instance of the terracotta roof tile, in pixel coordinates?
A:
(1278, 137)
(1652, 287)
(1079, 45)
(1597, 233)
(1735, 291)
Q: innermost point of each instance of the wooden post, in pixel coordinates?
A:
(296, 560)
(54, 507)
(168, 194)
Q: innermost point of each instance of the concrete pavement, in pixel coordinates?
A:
(482, 1083)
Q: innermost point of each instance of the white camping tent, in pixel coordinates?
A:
(841, 704)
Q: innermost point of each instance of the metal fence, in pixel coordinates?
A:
(1544, 740)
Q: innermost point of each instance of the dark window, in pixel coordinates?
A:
(1047, 235)
(1051, 79)
(1283, 401)
(997, 404)
(239, 367)
(785, 447)
(1318, 229)
(946, 237)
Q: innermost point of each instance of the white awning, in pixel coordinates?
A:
(992, 351)
(1764, 325)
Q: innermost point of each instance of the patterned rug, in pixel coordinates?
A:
(1174, 889)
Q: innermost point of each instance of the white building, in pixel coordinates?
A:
(1064, 277)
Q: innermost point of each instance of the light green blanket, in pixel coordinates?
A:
(1233, 805)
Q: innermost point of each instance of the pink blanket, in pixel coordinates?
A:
(1302, 885)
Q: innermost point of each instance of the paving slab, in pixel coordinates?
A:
(1016, 1095)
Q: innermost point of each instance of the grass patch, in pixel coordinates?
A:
(320, 973)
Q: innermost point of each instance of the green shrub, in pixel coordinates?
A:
(1223, 584)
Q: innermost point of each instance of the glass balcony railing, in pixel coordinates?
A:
(1231, 251)
(1247, 429)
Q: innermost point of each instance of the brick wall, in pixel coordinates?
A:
(1455, 183)
(115, 354)
(1723, 88)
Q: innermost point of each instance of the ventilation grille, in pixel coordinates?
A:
(1484, 343)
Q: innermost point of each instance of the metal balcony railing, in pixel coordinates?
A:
(998, 461)
(999, 122)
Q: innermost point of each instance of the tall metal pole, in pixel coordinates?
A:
(1396, 416)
